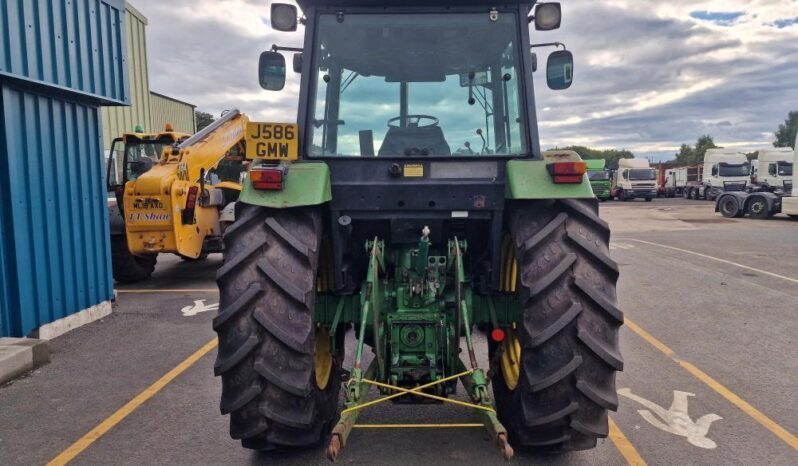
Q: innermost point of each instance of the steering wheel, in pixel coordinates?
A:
(413, 121)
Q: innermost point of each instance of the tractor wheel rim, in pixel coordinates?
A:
(322, 357)
(511, 359)
(757, 207)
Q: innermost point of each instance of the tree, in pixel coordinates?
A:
(610, 155)
(752, 155)
(701, 145)
(203, 119)
(685, 155)
(785, 136)
(692, 155)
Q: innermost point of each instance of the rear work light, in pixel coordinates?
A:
(567, 172)
(268, 177)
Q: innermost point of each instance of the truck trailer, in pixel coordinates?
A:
(634, 179)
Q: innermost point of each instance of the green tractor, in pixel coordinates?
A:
(412, 204)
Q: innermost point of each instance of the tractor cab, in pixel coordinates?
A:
(415, 79)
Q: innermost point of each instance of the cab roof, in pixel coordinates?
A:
(408, 3)
(175, 136)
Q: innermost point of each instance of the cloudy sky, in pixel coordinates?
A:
(649, 75)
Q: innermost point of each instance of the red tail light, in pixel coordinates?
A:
(267, 177)
(567, 172)
(191, 198)
(191, 203)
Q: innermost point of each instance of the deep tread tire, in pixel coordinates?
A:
(126, 267)
(570, 330)
(266, 333)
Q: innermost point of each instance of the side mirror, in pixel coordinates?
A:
(298, 62)
(534, 62)
(283, 17)
(271, 71)
(560, 70)
(547, 16)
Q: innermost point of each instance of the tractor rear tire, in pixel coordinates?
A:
(569, 334)
(267, 336)
(126, 267)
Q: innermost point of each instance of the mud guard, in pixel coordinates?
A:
(304, 184)
(529, 179)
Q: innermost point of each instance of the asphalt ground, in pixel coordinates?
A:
(711, 365)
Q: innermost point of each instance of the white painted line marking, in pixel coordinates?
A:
(765, 272)
(676, 420)
(199, 306)
(621, 246)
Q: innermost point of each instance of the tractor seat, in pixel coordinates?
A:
(414, 140)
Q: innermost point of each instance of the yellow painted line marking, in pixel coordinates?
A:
(175, 290)
(649, 338)
(624, 446)
(102, 428)
(717, 259)
(730, 396)
(414, 426)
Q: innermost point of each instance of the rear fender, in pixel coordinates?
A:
(529, 179)
(304, 184)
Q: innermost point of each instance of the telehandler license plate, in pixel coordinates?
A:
(272, 141)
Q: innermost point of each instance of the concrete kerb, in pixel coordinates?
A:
(20, 355)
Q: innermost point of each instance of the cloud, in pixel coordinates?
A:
(649, 75)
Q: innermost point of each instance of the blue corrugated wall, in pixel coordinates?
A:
(55, 220)
(59, 61)
(74, 44)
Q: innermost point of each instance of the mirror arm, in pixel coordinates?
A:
(549, 44)
(277, 48)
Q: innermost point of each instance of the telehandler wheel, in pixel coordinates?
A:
(556, 382)
(126, 267)
(280, 382)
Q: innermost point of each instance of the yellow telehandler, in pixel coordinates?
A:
(173, 193)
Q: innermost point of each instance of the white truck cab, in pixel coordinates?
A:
(634, 179)
(725, 170)
(762, 204)
(774, 170)
(789, 204)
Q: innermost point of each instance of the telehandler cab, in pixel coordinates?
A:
(412, 202)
